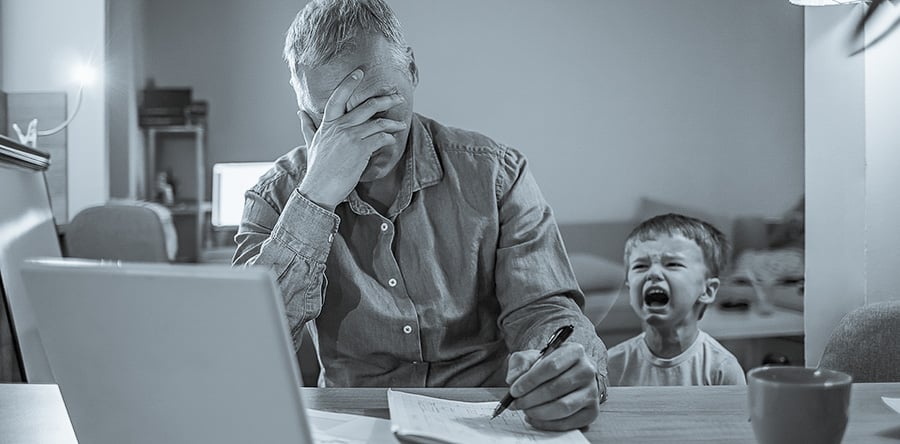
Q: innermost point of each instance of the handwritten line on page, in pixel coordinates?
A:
(893, 403)
(432, 420)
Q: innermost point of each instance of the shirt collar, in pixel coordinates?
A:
(422, 167)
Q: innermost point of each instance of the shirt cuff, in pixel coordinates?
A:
(306, 228)
(603, 387)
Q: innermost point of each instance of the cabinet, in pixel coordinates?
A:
(191, 209)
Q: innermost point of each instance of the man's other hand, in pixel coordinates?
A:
(560, 392)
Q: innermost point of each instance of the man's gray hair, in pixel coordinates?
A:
(325, 29)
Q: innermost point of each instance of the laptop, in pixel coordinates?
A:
(161, 353)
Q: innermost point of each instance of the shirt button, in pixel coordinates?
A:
(392, 282)
(407, 329)
(384, 227)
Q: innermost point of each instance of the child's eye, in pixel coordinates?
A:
(638, 267)
(675, 265)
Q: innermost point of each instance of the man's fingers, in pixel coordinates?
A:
(548, 368)
(580, 419)
(379, 126)
(373, 105)
(578, 377)
(376, 141)
(565, 406)
(337, 103)
(307, 127)
(519, 363)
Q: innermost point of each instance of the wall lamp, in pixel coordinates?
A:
(83, 75)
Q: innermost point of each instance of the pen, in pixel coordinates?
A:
(560, 336)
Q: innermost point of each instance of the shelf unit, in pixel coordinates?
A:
(197, 208)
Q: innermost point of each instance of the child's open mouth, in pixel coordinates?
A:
(656, 297)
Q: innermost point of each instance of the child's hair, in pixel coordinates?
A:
(711, 241)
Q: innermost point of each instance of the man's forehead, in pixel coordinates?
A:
(310, 97)
(318, 89)
(319, 83)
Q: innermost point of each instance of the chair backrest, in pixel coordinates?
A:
(865, 345)
(117, 231)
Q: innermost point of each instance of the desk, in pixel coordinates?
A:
(653, 414)
(34, 413)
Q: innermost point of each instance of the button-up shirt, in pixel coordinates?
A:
(466, 266)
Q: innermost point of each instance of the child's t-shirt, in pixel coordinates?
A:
(705, 362)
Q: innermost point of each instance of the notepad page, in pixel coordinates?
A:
(343, 428)
(893, 403)
(441, 420)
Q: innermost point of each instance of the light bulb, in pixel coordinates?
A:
(84, 74)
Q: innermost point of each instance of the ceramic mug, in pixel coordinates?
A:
(798, 404)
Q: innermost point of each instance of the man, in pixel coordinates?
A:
(423, 255)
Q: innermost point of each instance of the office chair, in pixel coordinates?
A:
(122, 230)
(864, 344)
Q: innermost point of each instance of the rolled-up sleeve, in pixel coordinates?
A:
(294, 243)
(535, 283)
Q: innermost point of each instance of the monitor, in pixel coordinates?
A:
(230, 182)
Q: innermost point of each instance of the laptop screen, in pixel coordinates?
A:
(152, 353)
(27, 229)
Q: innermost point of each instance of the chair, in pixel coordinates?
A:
(865, 345)
(122, 230)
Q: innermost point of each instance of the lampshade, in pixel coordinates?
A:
(825, 2)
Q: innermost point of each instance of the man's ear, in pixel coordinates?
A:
(413, 69)
(709, 291)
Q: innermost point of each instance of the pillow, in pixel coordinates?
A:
(595, 273)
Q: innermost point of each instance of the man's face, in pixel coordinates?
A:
(667, 281)
(383, 76)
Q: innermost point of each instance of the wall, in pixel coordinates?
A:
(693, 102)
(41, 41)
(124, 55)
(835, 175)
(1, 59)
(2, 93)
(853, 247)
(882, 163)
(229, 52)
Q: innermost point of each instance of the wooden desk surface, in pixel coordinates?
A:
(748, 324)
(653, 414)
(34, 413)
